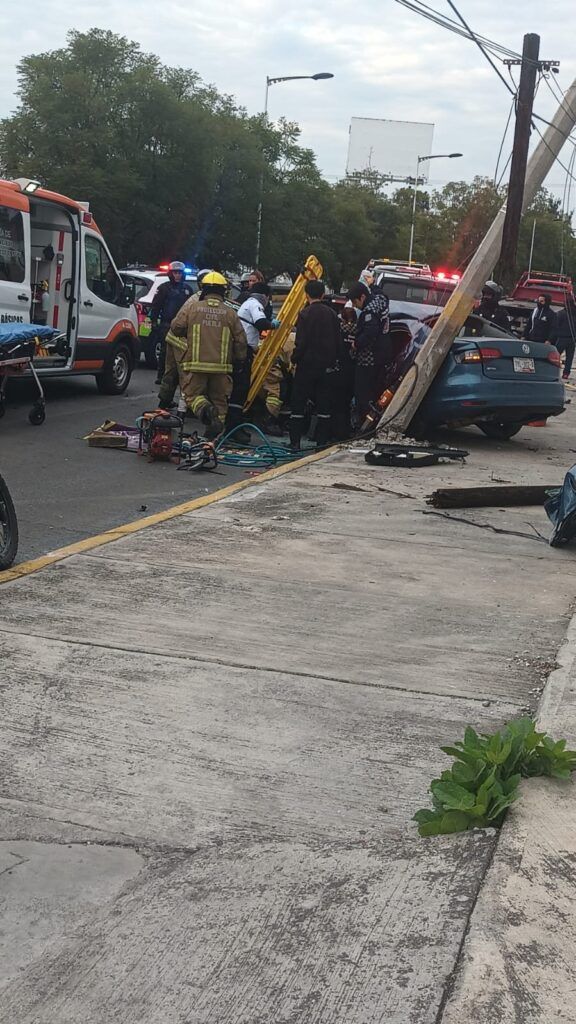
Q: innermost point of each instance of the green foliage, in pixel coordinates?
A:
(484, 779)
(172, 169)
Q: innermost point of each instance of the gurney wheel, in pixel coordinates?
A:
(37, 415)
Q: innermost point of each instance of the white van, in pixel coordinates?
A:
(56, 269)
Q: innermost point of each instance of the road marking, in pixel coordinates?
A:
(89, 543)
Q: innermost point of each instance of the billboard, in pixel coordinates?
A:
(388, 147)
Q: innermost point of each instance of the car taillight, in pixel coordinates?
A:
(479, 355)
(554, 357)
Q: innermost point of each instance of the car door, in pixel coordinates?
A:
(101, 290)
(15, 292)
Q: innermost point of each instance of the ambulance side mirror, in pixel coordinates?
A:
(129, 294)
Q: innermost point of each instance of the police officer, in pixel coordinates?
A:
(489, 306)
(169, 298)
(375, 348)
(210, 339)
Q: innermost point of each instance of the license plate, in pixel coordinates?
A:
(524, 366)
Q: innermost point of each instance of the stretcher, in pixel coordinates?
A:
(18, 347)
(272, 345)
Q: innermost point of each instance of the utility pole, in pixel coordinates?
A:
(529, 67)
(414, 387)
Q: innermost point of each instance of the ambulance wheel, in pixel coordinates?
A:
(115, 376)
(37, 415)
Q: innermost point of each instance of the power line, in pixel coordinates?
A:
(512, 106)
(432, 15)
(480, 46)
(557, 158)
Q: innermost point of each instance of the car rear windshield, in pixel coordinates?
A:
(431, 294)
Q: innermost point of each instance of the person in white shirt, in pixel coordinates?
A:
(252, 314)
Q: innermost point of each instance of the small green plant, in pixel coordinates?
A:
(484, 779)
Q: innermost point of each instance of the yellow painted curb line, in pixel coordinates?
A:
(27, 568)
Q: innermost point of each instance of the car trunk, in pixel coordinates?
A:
(501, 359)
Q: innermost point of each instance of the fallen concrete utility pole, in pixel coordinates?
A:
(413, 389)
(489, 497)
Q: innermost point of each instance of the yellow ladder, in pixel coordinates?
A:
(271, 346)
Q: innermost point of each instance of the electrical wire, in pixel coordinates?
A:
(555, 155)
(504, 169)
(512, 107)
(418, 7)
(480, 46)
(566, 207)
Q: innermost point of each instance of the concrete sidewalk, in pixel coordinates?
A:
(215, 733)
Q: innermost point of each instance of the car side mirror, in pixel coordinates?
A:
(129, 294)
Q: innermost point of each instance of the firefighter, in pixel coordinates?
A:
(199, 279)
(211, 340)
(316, 357)
(169, 298)
(489, 306)
(276, 388)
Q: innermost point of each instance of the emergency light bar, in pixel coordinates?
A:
(441, 275)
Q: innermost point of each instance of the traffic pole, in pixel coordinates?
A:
(506, 270)
(414, 388)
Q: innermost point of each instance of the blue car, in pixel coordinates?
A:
(492, 380)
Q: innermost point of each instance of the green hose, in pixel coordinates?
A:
(261, 455)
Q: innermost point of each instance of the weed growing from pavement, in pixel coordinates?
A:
(485, 777)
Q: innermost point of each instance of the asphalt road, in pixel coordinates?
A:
(63, 490)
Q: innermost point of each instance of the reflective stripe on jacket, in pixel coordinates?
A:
(213, 335)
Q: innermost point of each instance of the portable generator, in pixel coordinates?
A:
(160, 432)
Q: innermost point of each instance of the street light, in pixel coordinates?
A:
(318, 77)
(423, 160)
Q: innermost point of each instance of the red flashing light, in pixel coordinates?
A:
(164, 266)
(86, 218)
(444, 275)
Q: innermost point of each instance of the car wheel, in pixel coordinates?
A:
(117, 372)
(500, 431)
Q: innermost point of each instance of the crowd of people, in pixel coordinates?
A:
(337, 364)
(334, 364)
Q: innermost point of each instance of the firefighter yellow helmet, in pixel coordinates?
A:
(214, 278)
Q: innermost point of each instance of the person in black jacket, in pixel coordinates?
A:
(168, 301)
(566, 335)
(374, 346)
(542, 324)
(316, 358)
(489, 306)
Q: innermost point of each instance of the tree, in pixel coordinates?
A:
(172, 169)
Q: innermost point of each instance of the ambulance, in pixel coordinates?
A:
(56, 269)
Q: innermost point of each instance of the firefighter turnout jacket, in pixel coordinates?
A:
(209, 335)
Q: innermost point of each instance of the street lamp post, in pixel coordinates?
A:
(320, 76)
(422, 160)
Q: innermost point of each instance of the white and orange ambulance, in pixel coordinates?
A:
(56, 269)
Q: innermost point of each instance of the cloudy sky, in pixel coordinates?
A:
(387, 62)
